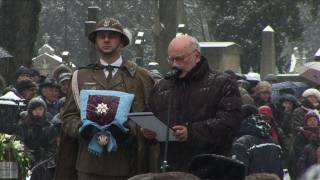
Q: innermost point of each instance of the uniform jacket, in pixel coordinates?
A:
(127, 160)
(208, 103)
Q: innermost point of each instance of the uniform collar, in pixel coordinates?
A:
(117, 63)
(130, 67)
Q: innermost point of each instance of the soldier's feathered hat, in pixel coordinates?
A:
(110, 24)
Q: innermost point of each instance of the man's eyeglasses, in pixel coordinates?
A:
(180, 59)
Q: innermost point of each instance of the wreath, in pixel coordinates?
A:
(11, 146)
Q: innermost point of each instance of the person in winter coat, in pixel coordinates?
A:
(255, 147)
(64, 82)
(313, 96)
(262, 95)
(204, 105)
(276, 132)
(287, 104)
(37, 134)
(298, 140)
(311, 152)
(26, 89)
(111, 72)
(49, 92)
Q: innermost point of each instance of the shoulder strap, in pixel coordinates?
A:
(75, 88)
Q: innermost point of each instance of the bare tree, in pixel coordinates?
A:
(18, 31)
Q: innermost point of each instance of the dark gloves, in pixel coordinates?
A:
(88, 133)
(118, 134)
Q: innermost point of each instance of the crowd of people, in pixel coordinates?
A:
(277, 132)
(39, 122)
(209, 113)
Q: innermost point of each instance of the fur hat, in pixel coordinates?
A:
(291, 98)
(263, 86)
(62, 68)
(25, 85)
(311, 92)
(266, 111)
(311, 114)
(216, 167)
(110, 24)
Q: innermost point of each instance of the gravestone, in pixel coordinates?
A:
(46, 61)
(268, 56)
(222, 55)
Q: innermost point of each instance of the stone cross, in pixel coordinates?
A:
(46, 38)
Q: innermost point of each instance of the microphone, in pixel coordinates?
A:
(175, 71)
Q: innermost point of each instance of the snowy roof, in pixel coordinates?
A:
(4, 53)
(10, 98)
(52, 56)
(317, 53)
(46, 48)
(216, 44)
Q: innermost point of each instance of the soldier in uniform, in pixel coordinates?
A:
(112, 72)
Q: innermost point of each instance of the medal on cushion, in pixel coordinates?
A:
(102, 139)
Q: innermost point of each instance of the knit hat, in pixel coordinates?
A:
(34, 103)
(263, 86)
(64, 77)
(311, 114)
(22, 70)
(311, 92)
(34, 72)
(48, 82)
(266, 111)
(25, 85)
(248, 110)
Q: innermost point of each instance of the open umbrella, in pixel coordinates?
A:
(311, 72)
(291, 87)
